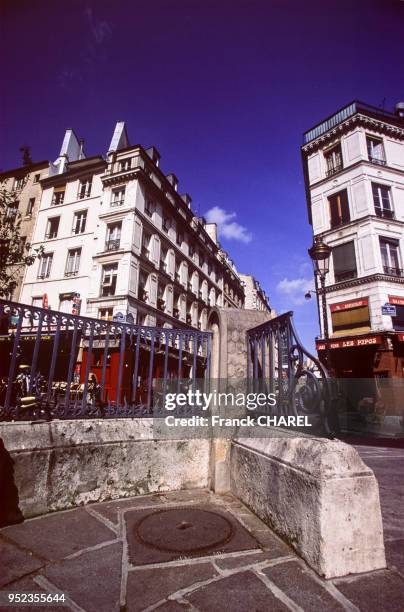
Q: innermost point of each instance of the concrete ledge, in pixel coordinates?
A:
(62, 464)
(318, 495)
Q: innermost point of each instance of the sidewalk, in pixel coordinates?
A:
(207, 553)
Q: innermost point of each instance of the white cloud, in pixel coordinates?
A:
(295, 288)
(226, 227)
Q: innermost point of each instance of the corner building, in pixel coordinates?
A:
(353, 166)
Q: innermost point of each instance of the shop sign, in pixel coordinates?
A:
(353, 342)
(349, 305)
(396, 300)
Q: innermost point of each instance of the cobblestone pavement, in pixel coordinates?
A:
(115, 556)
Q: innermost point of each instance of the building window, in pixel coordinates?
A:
(45, 265)
(19, 183)
(142, 293)
(36, 178)
(344, 260)
(66, 302)
(58, 196)
(333, 159)
(382, 201)
(149, 208)
(125, 164)
(180, 238)
(52, 228)
(30, 207)
(146, 238)
(118, 197)
(84, 189)
(37, 301)
(79, 222)
(390, 256)
(375, 150)
(191, 251)
(166, 224)
(73, 262)
(109, 276)
(339, 208)
(106, 314)
(113, 236)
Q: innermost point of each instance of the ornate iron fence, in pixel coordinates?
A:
(279, 364)
(60, 365)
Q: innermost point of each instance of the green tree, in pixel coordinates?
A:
(15, 252)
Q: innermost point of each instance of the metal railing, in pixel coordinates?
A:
(278, 363)
(393, 271)
(58, 365)
(112, 244)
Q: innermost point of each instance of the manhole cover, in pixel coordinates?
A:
(184, 530)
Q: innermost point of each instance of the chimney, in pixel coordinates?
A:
(172, 179)
(154, 155)
(399, 109)
(187, 199)
(211, 230)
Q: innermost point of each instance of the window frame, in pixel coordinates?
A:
(75, 271)
(48, 265)
(337, 196)
(76, 219)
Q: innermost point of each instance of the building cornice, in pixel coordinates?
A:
(364, 280)
(347, 125)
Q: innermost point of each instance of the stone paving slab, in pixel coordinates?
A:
(16, 562)
(165, 581)
(381, 590)
(92, 579)
(243, 591)
(58, 535)
(302, 588)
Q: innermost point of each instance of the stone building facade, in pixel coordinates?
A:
(255, 296)
(354, 174)
(25, 181)
(120, 239)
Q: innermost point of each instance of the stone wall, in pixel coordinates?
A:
(54, 466)
(318, 495)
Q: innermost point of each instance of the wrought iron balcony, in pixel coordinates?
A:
(345, 275)
(51, 235)
(189, 319)
(161, 304)
(378, 161)
(117, 202)
(112, 245)
(392, 271)
(71, 273)
(334, 170)
(384, 213)
(176, 313)
(143, 294)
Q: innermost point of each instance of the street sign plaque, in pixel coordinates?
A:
(389, 310)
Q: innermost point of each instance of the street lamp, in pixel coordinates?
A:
(320, 255)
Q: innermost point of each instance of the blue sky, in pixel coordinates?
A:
(223, 89)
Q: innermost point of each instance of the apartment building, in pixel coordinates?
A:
(25, 182)
(255, 296)
(353, 165)
(120, 240)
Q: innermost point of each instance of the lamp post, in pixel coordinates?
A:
(320, 256)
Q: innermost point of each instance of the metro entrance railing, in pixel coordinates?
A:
(60, 365)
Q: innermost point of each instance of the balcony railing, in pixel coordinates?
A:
(143, 294)
(71, 272)
(161, 304)
(392, 271)
(377, 160)
(384, 213)
(334, 170)
(112, 245)
(117, 202)
(345, 275)
(51, 235)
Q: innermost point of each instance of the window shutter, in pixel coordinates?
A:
(153, 289)
(137, 238)
(155, 250)
(344, 258)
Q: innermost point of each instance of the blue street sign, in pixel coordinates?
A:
(389, 310)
